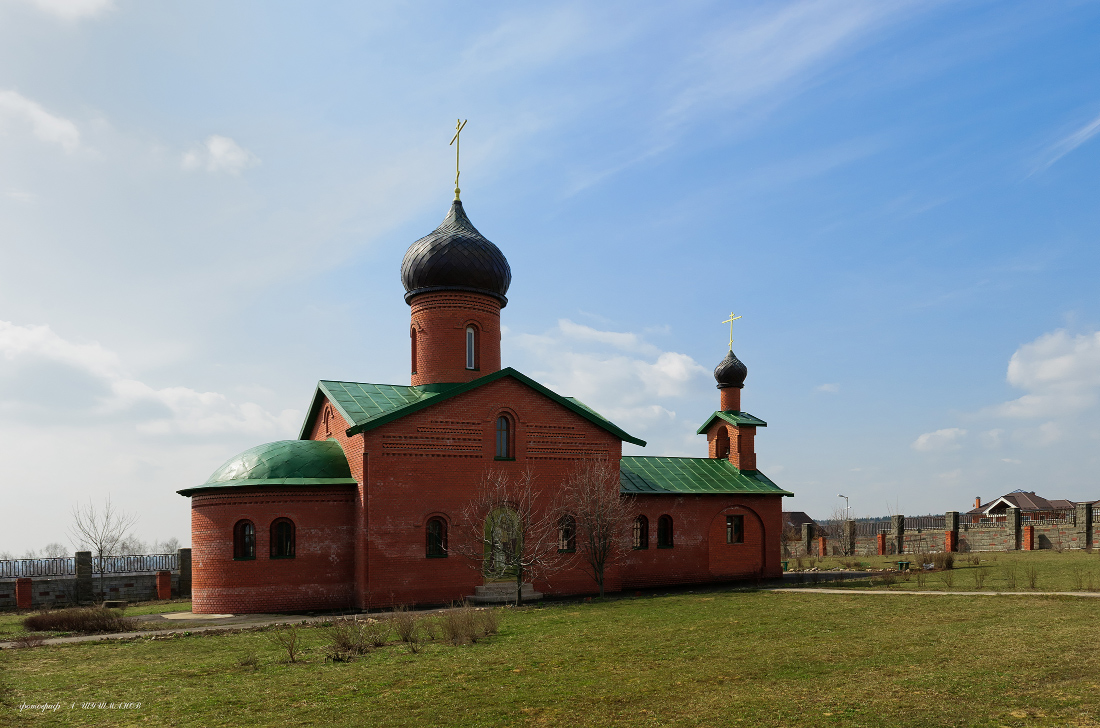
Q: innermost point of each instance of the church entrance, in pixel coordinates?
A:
(503, 546)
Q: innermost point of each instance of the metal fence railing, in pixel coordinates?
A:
(1058, 518)
(925, 523)
(66, 565)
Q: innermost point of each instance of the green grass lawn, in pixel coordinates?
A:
(702, 659)
(1069, 571)
(11, 623)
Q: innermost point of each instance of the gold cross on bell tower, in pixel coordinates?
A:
(730, 321)
(459, 125)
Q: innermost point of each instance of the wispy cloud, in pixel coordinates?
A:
(1059, 372)
(940, 441)
(73, 9)
(44, 125)
(219, 154)
(1069, 143)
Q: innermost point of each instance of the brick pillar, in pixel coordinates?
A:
(821, 549)
(898, 526)
(808, 537)
(84, 593)
(24, 597)
(881, 538)
(849, 544)
(164, 585)
(1082, 525)
(1028, 542)
(184, 556)
(1014, 527)
(951, 536)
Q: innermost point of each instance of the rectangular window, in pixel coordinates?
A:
(735, 529)
(471, 348)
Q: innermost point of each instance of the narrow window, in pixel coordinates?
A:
(471, 347)
(282, 539)
(412, 336)
(664, 532)
(504, 438)
(735, 529)
(244, 540)
(567, 534)
(437, 538)
(641, 532)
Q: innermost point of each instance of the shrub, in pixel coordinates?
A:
(458, 625)
(288, 638)
(888, 578)
(406, 624)
(1078, 575)
(943, 561)
(346, 640)
(28, 640)
(375, 632)
(979, 577)
(948, 578)
(1032, 574)
(83, 620)
(922, 578)
(1010, 575)
(250, 659)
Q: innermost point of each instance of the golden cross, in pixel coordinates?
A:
(459, 125)
(730, 321)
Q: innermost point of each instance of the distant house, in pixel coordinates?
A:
(1032, 507)
(793, 521)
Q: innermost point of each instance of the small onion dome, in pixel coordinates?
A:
(283, 463)
(731, 372)
(455, 257)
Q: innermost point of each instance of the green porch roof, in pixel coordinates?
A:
(367, 406)
(734, 418)
(282, 463)
(656, 475)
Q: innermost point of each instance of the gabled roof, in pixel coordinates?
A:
(1026, 501)
(366, 406)
(655, 475)
(734, 418)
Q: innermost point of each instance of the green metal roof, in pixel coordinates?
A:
(656, 475)
(366, 406)
(734, 418)
(286, 462)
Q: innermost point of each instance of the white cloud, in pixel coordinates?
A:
(1069, 143)
(219, 154)
(940, 440)
(617, 373)
(43, 124)
(831, 387)
(154, 411)
(74, 9)
(1060, 372)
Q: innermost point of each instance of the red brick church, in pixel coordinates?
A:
(362, 509)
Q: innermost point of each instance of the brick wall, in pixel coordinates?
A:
(60, 591)
(439, 321)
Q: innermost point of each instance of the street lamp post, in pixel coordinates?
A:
(847, 510)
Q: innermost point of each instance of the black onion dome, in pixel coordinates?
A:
(455, 257)
(731, 372)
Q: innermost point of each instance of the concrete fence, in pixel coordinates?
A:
(77, 580)
(926, 534)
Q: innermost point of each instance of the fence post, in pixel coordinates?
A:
(83, 593)
(808, 537)
(849, 544)
(184, 556)
(24, 594)
(1082, 524)
(951, 536)
(1014, 526)
(1029, 538)
(880, 539)
(164, 585)
(898, 523)
(821, 550)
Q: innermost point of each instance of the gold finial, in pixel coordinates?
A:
(730, 321)
(459, 124)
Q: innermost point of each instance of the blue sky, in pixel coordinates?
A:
(203, 209)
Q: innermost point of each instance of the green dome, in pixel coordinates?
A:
(286, 462)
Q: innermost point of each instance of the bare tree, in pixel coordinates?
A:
(601, 516)
(509, 533)
(100, 530)
(54, 550)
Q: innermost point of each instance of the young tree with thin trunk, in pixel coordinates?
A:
(509, 532)
(602, 516)
(101, 531)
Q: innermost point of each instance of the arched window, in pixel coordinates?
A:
(326, 419)
(641, 532)
(471, 347)
(722, 444)
(664, 532)
(282, 539)
(567, 534)
(436, 533)
(504, 438)
(412, 336)
(244, 540)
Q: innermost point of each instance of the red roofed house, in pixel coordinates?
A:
(363, 509)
